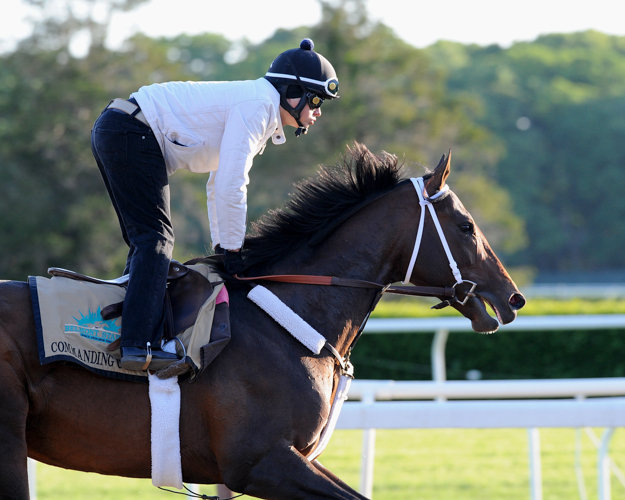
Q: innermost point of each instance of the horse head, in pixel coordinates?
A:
(476, 261)
(358, 221)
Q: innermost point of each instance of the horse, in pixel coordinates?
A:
(251, 418)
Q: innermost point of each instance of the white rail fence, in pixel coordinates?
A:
(575, 290)
(425, 404)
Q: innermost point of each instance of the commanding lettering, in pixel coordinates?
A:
(62, 347)
(91, 357)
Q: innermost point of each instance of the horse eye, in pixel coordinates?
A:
(466, 227)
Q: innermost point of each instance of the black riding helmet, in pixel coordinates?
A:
(303, 73)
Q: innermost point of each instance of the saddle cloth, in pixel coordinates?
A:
(70, 326)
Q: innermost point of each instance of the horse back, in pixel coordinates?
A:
(58, 402)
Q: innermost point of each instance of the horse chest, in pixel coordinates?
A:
(320, 381)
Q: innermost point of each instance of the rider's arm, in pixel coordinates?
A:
(248, 126)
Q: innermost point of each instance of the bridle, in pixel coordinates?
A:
(448, 293)
(428, 202)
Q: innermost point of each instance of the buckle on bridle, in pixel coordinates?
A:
(454, 299)
(469, 294)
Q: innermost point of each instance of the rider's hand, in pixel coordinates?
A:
(234, 262)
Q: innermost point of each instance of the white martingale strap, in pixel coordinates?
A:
(340, 396)
(287, 318)
(426, 201)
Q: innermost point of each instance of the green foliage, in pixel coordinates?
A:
(56, 210)
(535, 131)
(557, 104)
(46, 173)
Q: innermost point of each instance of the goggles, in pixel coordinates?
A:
(331, 86)
(314, 101)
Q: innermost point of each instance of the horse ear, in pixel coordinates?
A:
(437, 181)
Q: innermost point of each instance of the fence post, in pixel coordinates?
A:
(536, 479)
(368, 453)
(439, 370)
(193, 488)
(603, 464)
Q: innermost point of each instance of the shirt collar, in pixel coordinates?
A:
(278, 137)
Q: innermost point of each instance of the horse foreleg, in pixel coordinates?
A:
(13, 449)
(285, 474)
(13, 466)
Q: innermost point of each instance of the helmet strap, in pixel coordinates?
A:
(297, 111)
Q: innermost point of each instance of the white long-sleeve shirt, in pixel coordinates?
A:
(215, 127)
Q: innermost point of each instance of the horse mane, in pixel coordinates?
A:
(320, 204)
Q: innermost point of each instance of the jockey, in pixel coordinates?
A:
(213, 128)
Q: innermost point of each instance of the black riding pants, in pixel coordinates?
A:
(133, 168)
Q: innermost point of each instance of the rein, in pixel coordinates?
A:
(448, 293)
(306, 279)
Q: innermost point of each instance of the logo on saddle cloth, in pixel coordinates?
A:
(70, 326)
(92, 326)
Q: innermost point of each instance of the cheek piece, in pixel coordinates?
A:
(296, 113)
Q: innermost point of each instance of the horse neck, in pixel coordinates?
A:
(373, 245)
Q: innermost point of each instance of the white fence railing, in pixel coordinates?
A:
(575, 290)
(425, 404)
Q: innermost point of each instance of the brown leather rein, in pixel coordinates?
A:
(305, 279)
(448, 293)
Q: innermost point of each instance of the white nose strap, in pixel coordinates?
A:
(426, 201)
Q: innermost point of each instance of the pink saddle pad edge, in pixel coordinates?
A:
(222, 296)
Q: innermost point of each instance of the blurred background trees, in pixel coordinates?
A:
(534, 130)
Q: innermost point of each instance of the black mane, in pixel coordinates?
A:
(320, 204)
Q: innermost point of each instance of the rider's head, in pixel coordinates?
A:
(302, 73)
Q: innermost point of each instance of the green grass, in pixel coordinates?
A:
(409, 464)
(54, 483)
(470, 464)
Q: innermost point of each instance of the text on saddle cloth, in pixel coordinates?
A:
(70, 326)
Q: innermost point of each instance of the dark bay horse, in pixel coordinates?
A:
(250, 419)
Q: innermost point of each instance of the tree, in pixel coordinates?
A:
(392, 98)
(556, 104)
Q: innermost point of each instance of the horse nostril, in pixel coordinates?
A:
(516, 301)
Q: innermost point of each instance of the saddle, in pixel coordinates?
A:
(187, 291)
